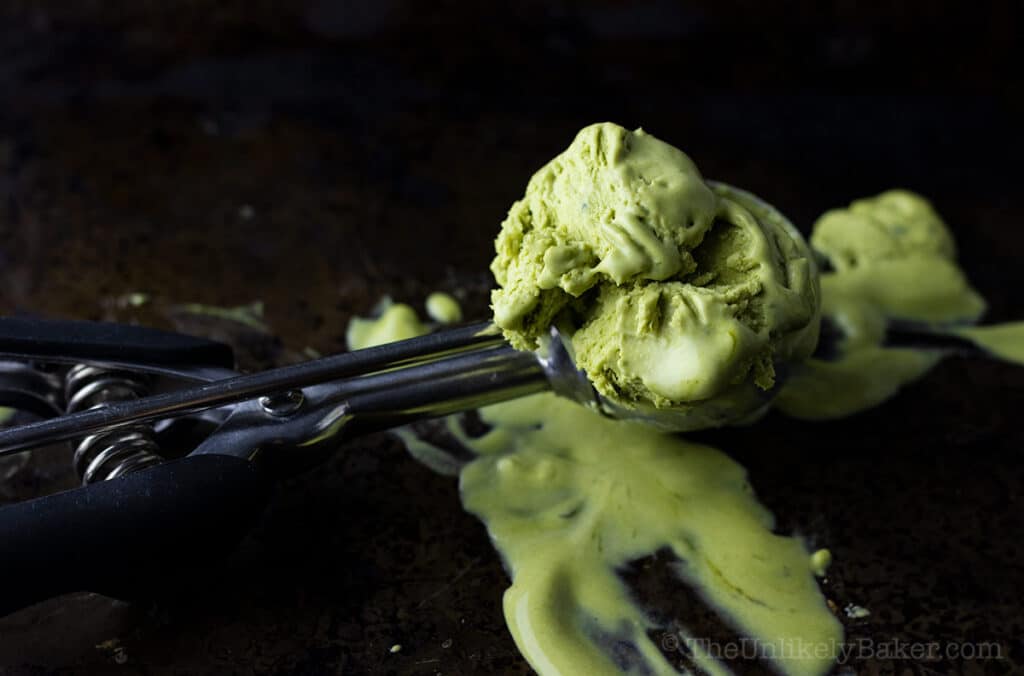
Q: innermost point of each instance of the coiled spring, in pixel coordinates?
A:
(108, 455)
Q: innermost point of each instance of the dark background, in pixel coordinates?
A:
(316, 155)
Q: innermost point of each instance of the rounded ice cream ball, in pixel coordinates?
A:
(616, 207)
(675, 293)
(894, 224)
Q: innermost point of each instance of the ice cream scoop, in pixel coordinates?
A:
(379, 387)
(678, 296)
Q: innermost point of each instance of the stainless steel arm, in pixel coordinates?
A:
(430, 375)
(333, 412)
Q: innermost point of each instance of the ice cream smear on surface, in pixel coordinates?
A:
(675, 292)
(571, 499)
(393, 322)
(1005, 341)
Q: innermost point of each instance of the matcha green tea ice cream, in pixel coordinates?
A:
(892, 258)
(676, 293)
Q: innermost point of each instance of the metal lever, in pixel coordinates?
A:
(251, 386)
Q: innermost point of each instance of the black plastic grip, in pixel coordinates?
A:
(42, 338)
(129, 537)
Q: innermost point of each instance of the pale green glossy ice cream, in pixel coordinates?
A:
(675, 292)
(893, 258)
(571, 499)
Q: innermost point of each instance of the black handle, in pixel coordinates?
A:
(131, 536)
(42, 338)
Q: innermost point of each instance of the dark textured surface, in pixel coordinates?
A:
(317, 155)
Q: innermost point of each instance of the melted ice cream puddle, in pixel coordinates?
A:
(570, 498)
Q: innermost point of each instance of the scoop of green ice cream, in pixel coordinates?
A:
(674, 291)
(615, 207)
(892, 257)
(896, 224)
